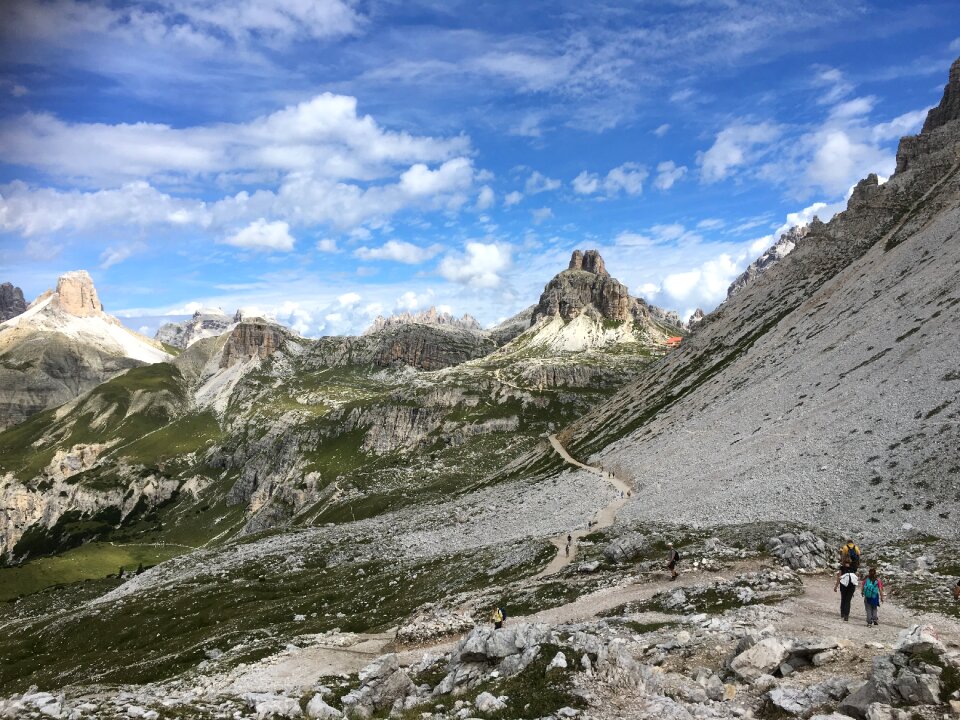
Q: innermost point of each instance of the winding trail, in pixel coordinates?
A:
(603, 517)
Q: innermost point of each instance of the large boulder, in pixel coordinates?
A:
(801, 551)
(763, 658)
(918, 639)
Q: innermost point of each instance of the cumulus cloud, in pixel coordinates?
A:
(348, 299)
(538, 183)
(485, 198)
(327, 245)
(479, 266)
(733, 147)
(627, 178)
(324, 135)
(512, 198)
(668, 173)
(541, 215)
(662, 130)
(398, 251)
(263, 235)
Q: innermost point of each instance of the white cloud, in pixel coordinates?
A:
(541, 215)
(419, 180)
(512, 198)
(586, 183)
(479, 266)
(348, 299)
(411, 300)
(833, 83)
(681, 96)
(327, 245)
(733, 147)
(627, 178)
(662, 130)
(853, 108)
(668, 173)
(485, 198)
(113, 255)
(710, 224)
(633, 239)
(263, 235)
(398, 251)
(323, 135)
(906, 124)
(538, 183)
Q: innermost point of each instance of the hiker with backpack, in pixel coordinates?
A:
(498, 617)
(847, 581)
(673, 557)
(851, 552)
(872, 597)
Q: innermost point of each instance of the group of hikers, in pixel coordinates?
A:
(847, 581)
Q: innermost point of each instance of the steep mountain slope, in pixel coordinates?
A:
(63, 345)
(826, 390)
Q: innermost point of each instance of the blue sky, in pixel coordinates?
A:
(325, 161)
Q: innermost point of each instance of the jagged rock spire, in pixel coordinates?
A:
(76, 294)
(949, 107)
(11, 301)
(589, 261)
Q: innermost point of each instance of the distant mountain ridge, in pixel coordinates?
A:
(431, 316)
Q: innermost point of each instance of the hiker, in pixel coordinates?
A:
(673, 557)
(851, 552)
(956, 591)
(498, 616)
(569, 538)
(872, 592)
(568, 549)
(847, 583)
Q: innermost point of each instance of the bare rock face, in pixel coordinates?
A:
(949, 107)
(427, 317)
(203, 324)
(251, 339)
(77, 296)
(774, 254)
(695, 319)
(585, 286)
(11, 301)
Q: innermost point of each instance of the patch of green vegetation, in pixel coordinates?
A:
(254, 604)
(94, 560)
(534, 692)
(171, 349)
(949, 678)
(188, 434)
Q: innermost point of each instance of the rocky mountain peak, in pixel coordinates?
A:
(251, 339)
(695, 319)
(11, 301)
(584, 287)
(777, 252)
(426, 317)
(949, 107)
(76, 294)
(589, 261)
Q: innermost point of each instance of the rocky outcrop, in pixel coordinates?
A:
(505, 331)
(205, 323)
(949, 107)
(426, 317)
(801, 551)
(11, 301)
(431, 622)
(76, 295)
(695, 319)
(251, 340)
(770, 257)
(584, 287)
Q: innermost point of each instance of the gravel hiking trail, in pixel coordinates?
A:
(604, 517)
(812, 613)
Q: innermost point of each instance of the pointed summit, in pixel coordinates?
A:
(584, 287)
(949, 107)
(589, 261)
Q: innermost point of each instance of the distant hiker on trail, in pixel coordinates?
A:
(497, 617)
(673, 557)
(847, 582)
(569, 538)
(872, 597)
(956, 591)
(568, 549)
(851, 552)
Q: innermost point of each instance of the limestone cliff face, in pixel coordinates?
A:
(771, 256)
(249, 340)
(11, 301)
(428, 317)
(77, 296)
(584, 287)
(949, 107)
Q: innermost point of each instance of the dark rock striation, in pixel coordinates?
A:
(11, 301)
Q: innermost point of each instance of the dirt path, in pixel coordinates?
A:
(604, 517)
